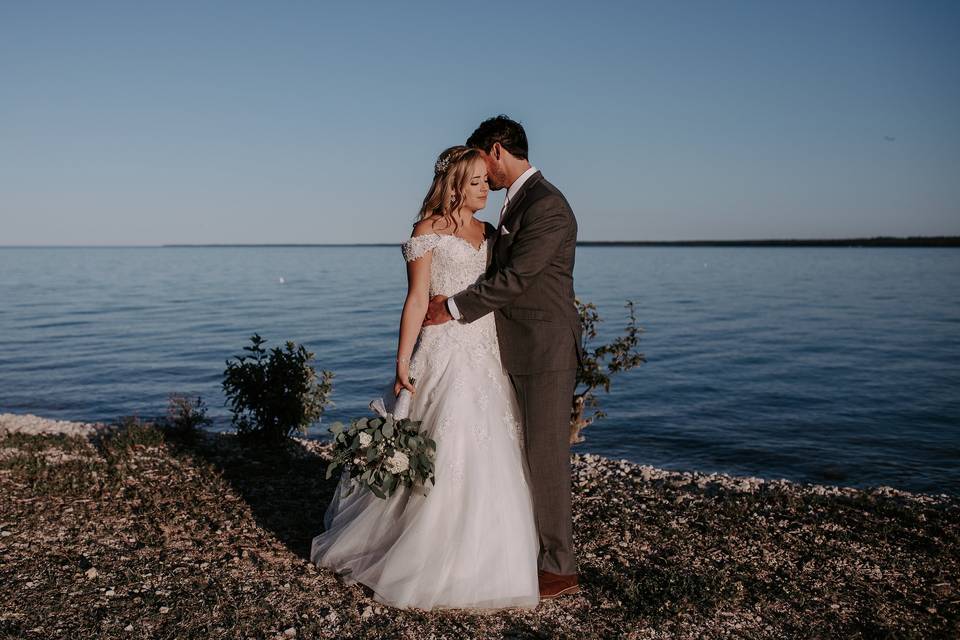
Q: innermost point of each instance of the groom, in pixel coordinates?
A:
(529, 289)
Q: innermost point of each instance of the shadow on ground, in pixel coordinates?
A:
(284, 485)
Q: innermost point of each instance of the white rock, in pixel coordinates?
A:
(92, 573)
(129, 627)
(29, 423)
(290, 633)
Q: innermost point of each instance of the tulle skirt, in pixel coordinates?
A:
(471, 542)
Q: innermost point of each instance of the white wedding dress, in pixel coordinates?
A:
(472, 541)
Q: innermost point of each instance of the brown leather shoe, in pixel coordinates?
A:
(553, 585)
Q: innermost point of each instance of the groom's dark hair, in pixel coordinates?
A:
(502, 129)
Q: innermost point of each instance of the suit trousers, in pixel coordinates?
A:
(545, 401)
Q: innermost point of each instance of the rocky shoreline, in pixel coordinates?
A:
(132, 531)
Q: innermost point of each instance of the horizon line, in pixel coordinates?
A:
(883, 241)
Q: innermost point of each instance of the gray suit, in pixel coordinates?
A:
(529, 288)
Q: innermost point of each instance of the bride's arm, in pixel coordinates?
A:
(414, 310)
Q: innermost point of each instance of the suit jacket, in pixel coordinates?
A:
(529, 283)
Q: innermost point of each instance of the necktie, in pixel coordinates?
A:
(503, 209)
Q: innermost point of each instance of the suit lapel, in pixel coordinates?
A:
(514, 205)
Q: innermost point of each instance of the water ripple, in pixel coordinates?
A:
(824, 365)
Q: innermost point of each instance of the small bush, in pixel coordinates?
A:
(274, 394)
(185, 415)
(599, 365)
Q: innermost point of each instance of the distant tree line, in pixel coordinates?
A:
(878, 241)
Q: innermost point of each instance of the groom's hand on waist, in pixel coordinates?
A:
(437, 312)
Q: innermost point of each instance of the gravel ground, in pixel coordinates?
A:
(131, 531)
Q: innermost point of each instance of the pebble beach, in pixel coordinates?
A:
(130, 530)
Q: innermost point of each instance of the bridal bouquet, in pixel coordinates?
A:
(383, 453)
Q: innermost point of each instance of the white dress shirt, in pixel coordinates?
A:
(511, 192)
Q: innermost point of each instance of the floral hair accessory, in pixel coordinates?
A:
(441, 165)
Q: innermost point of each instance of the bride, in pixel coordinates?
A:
(472, 541)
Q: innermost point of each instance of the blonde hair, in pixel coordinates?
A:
(451, 173)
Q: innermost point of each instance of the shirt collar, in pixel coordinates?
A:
(512, 191)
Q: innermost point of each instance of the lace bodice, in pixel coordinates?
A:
(456, 264)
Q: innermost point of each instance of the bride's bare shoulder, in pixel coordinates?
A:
(432, 225)
(423, 240)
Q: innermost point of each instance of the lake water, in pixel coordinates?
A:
(831, 365)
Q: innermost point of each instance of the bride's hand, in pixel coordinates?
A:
(402, 381)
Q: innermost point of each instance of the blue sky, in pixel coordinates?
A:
(129, 123)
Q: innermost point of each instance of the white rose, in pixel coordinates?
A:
(365, 439)
(398, 462)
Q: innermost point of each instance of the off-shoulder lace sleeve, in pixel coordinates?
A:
(417, 246)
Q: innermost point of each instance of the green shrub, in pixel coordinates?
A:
(185, 415)
(274, 394)
(599, 364)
